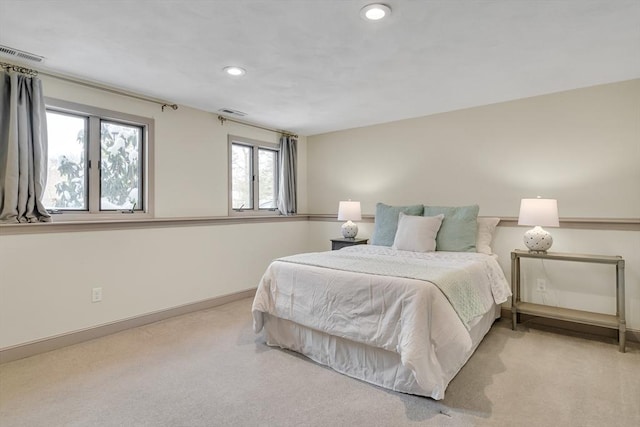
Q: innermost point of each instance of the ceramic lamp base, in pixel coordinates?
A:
(537, 239)
(349, 230)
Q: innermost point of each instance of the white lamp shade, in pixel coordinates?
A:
(349, 211)
(542, 212)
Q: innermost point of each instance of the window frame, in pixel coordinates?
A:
(94, 117)
(255, 146)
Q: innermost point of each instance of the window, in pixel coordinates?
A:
(98, 161)
(253, 176)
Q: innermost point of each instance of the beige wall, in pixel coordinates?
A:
(581, 147)
(46, 279)
(140, 271)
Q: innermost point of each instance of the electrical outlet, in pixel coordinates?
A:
(96, 295)
(541, 285)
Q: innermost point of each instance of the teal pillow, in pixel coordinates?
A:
(386, 222)
(459, 228)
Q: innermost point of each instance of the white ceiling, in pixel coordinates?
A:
(315, 66)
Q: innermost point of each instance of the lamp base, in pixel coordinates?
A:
(349, 230)
(537, 239)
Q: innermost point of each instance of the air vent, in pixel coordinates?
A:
(232, 112)
(15, 53)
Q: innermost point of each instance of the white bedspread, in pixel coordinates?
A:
(456, 280)
(404, 315)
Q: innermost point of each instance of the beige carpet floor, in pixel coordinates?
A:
(209, 369)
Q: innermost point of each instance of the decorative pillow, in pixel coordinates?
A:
(386, 222)
(459, 228)
(486, 227)
(417, 233)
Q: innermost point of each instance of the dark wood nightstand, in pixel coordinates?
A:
(343, 243)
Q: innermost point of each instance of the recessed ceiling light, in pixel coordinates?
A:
(375, 11)
(235, 71)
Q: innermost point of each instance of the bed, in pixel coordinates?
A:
(405, 320)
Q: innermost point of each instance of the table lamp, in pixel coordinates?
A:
(538, 212)
(349, 211)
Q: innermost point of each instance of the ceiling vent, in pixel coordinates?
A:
(15, 53)
(232, 112)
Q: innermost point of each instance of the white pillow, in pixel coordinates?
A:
(486, 227)
(417, 233)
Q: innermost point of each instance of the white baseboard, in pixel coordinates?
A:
(32, 348)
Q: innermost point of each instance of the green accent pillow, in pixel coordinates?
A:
(386, 222)
(459, 228)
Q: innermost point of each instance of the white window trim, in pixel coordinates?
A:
(93, 113)
(255, 211)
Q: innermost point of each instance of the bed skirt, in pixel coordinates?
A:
(370, 364)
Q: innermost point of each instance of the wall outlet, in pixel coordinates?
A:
(96, 295)
(541, 285)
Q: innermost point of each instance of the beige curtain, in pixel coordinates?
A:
(23, 149)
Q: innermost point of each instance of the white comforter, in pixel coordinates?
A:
(408, 316)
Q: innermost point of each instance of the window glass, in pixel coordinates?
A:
(242, 177)
(67, 171)
(267, 167)
(120, 166)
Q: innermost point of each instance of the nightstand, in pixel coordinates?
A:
(616, 321)
(343, 243)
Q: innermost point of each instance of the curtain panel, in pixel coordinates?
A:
(287, 203)
(23, 149)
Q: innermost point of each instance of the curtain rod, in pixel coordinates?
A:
(284, 132)
(18, 69)
(33, 73)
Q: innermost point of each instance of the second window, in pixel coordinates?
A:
(253, 175)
